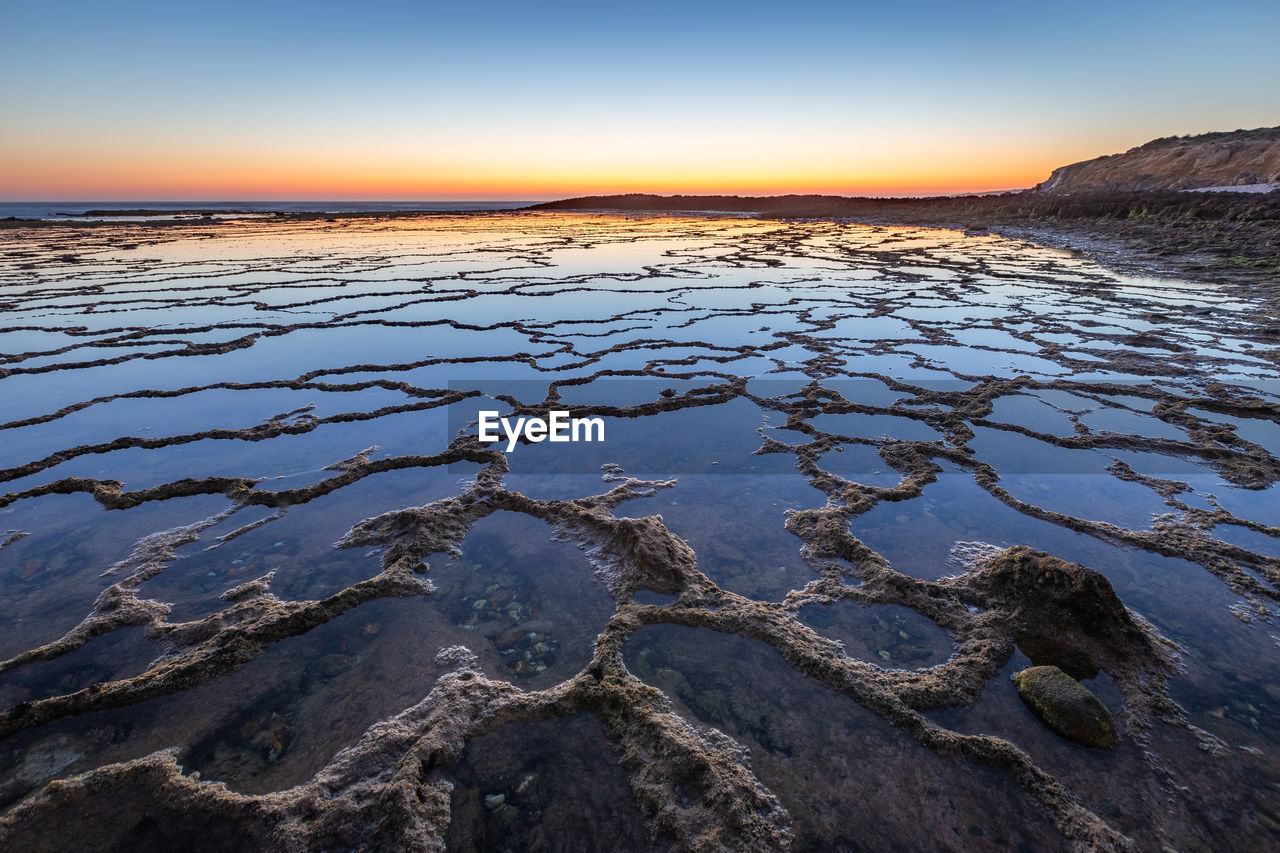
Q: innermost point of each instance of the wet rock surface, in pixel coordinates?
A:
(1066, 706)
(1068, 616)
(267, 590)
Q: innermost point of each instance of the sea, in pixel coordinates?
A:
(61, 209)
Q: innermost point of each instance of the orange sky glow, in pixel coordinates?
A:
(516, 101)
(157, 174)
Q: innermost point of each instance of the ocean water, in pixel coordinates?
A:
(244, 511)
(64, 209)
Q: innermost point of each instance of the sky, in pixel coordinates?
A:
(503, 100)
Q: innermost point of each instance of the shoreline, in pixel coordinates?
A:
(1220, 237)
(1234, 241)
(842, 401)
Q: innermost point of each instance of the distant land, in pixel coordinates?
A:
(1132, 210)
(1233, 159)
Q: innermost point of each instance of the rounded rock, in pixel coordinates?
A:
(1066, 706)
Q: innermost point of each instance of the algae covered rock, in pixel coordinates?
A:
(1064, 614)
(1066, 706)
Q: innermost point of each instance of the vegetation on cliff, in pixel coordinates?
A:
(1230, 159)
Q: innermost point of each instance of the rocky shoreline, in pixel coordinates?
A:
(813, 648)
(1223, 238)
(1226, 237)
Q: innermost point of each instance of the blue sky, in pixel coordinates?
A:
(386, 99)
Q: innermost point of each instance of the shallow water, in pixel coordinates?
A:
(245, 511)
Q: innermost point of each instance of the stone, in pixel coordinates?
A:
(1066, 615)
(1066, 706)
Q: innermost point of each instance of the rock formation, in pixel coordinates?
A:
(1235, 158)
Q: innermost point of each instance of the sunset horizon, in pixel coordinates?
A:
(279, 101)
(289, 182)
(327, 185)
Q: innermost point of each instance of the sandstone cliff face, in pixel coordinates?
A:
(1234, 158)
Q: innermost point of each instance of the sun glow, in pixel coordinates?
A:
(165, 172)
(542, 101)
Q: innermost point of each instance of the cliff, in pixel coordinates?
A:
(1234, 158)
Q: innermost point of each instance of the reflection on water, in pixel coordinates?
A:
(243, 516)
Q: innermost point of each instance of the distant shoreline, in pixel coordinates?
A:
(1198, 235)
(1218, 236)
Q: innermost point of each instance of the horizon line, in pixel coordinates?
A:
(507, 199)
